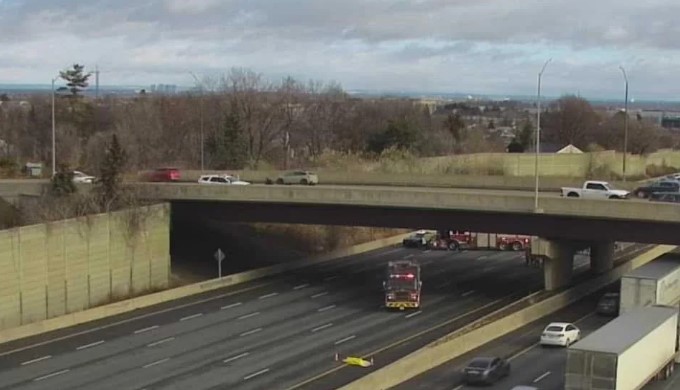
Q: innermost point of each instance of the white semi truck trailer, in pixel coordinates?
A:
(627, 353)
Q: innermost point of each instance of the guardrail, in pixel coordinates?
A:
(491, 327)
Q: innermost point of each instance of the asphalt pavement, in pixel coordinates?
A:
(276, 333)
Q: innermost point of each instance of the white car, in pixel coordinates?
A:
(80, 177)
(221, 179)
(560, 333)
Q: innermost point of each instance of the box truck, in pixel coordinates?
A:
(627, 353)
(655, 283)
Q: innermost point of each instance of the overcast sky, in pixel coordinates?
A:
(470, 46)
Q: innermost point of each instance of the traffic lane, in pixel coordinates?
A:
(168, 312)
(400, 338)
(49, 364)
(544, 367)
(672, 383)
(511, 346)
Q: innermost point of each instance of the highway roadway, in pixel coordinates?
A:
(531, 364)
(275, 333)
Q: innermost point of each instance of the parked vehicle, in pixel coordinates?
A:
(164, 175)
(593, 189)
(560, 333)
(608, 305)
(670, 197)
(402, 285)
(486, 370)
(296, 177)
(655, 283)
(626, 353)
(221, 180)
(83, 178)
(419, 239)
(515, 242)
(646, 191)
(453, 240)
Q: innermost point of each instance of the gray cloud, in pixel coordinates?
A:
(399, 44)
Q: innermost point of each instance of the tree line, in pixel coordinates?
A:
(244, 120)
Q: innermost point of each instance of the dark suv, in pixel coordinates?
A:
(657, 186)
(608, 305)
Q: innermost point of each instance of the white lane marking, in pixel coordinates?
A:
(160, 342)
(413, 314)
(36, 360)
(157, 362)
(468, 293)
(90, 345)
(442, 285)
(542, 377)
(253, 375)
(428, 251)
(482, 257)
(425, 262)
(257, 313)
(327, 308)
(348, 338)
(231, 359)
(139, 317)
(51, 375)
(230, 306)
(248, 333)
(322, 327)
(269, 295)
(300, 287)
(320, 294)
(329, 278)
(409, 256)
(458, 387)
(146, 329)
(191, 317)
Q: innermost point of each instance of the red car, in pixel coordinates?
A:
(165, 174)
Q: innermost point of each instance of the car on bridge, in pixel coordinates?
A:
(221, 180)
(164, 175)
(594, 189)
(486, 370)
(657, 186)
(296, 177)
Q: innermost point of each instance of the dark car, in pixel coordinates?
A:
(485, 370)
(165, 174)
(669, 197)
(657, 186)
(608, 305)
(419, 239)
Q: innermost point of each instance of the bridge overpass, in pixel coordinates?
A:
(565, 225)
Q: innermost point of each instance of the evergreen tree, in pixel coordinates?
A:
(76, 78)
(227, 147)
(111, 169)
(525, 135)
(62, 182)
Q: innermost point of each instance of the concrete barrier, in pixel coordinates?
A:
(145, 301)
(480, 332)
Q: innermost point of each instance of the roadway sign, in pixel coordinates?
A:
(219, 256)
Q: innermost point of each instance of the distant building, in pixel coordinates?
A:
(549, 147)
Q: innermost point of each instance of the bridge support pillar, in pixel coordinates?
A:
(601, 256)
(558, 261)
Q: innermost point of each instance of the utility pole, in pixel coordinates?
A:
(200, 105)
(538, 132)
(96, 78)
(54, 132)
(625, 123)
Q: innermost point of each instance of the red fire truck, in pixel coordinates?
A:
(515, 242)
(402, 285)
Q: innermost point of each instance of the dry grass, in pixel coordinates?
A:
(315, 239)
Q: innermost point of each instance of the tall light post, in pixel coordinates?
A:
(538, 132)
(625, 123)
(54, 132)
(200, 105)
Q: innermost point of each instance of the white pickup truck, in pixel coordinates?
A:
(593, 189)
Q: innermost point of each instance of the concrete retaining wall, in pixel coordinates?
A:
(474, 336)
(145, 301)
(52, 269)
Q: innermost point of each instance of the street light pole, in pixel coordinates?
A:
(538, 132)
(625, 123)
(200, 105)
(54, 132)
